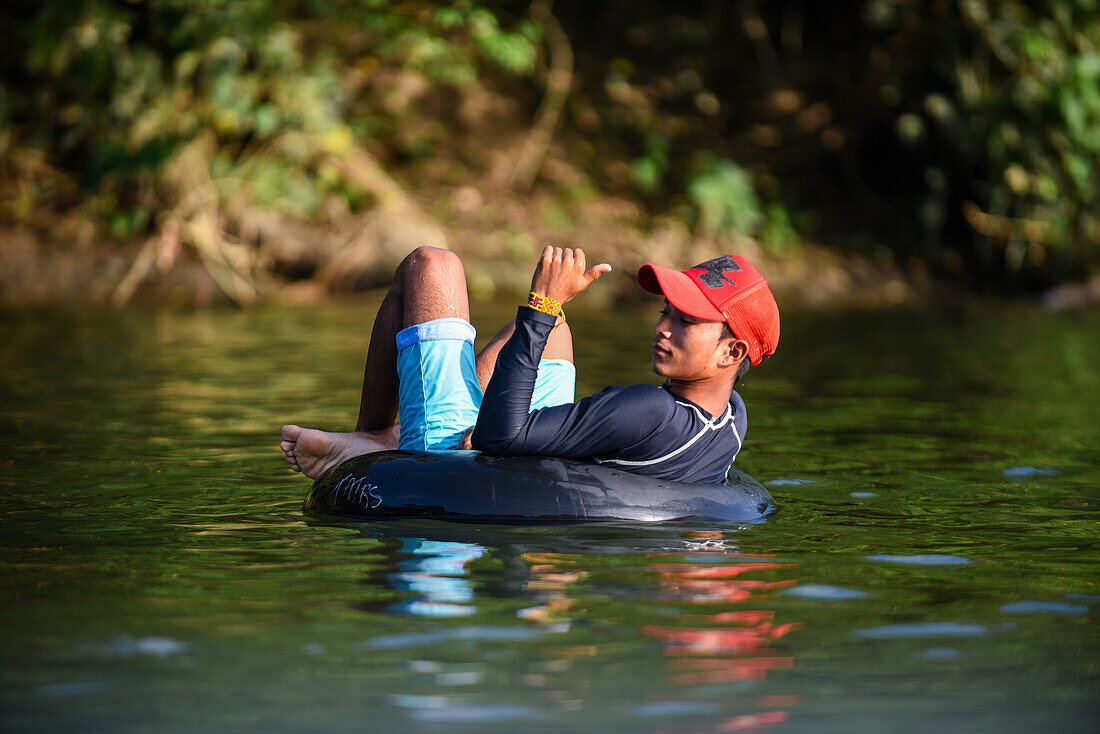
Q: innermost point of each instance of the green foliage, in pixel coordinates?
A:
(727, 203)
(982, 117)
(725, 198)
(515, 52)
(1019, 103)
(112, 92)
(648, 169)
(778, 232)
(961, 133)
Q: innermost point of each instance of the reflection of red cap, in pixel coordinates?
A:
(727, 288)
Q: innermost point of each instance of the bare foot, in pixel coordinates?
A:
(314, 452)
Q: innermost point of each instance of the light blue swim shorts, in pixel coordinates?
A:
(439, 395)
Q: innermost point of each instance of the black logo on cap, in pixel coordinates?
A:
(716, 269)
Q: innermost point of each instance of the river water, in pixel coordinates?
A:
(932, 565)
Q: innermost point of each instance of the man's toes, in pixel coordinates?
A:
(291, 431)
(287, 447)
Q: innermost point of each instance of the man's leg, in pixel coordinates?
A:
(314, 452)
(434, 285)
(429, 284)
(378, 400)
(559, 346)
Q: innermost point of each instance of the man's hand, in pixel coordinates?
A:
(560, 274)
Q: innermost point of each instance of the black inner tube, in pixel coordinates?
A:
(467, 485)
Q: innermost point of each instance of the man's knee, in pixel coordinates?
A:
(430, 262)
(432, 284)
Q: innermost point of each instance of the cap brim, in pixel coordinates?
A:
(680, 291)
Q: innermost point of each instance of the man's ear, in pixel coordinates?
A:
(733, 351)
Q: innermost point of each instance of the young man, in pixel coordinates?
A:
(718, 317)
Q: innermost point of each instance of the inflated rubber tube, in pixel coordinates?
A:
(466, 485)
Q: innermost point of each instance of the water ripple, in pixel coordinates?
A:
(941, 653)
(924, 559)
(929, 629)
(477, 633)
(1043, 607)
(824, 592)
(81, 688)
(125, 646)
(482, 713)
(674, 708)
(1019, 472)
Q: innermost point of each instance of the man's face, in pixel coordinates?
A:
(685, 347)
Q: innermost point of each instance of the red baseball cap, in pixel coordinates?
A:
(726, 288)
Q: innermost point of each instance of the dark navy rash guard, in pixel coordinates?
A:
(642, 428)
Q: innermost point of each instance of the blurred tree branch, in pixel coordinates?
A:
(559, 80)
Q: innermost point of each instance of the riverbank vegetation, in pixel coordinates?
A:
(250, 148)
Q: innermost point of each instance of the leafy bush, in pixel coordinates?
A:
(112, 92)
(726, 200)
(1009, 93)
(981, 117)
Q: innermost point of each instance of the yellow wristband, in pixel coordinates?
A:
(544, 304)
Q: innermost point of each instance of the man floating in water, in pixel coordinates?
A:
(515, 398)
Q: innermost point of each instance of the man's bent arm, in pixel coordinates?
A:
(559, 276)
(507, 401)
(601, 425)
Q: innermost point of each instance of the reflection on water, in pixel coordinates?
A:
(724, 646)
(435, 572)
(705, 622)
(932, 565)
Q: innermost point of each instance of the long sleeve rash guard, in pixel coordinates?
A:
(641, 428)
